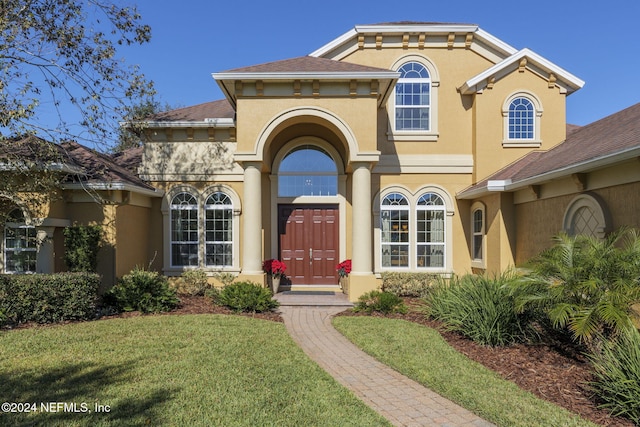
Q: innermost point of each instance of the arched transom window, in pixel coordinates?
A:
(413, 98)
(307, 171)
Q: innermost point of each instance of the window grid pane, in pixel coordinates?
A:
(218, 230)
(184, 230)
(521, 119)
(413, 99)
(430, 235)
(20, 249)
(394, 217)
(478, 231)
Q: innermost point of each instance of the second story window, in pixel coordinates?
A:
(521, 119)
(413, 98)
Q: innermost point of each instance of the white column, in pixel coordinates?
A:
(361, 221)
(252, 222)
(45, 256)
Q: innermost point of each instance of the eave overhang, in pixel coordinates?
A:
(213, 122)
(113, 186)
(510, 185)
(525, 57)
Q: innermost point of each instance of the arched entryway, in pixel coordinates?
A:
(308, 187)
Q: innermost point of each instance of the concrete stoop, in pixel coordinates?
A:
(313, 298)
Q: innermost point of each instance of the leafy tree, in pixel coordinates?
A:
(56, 55)
(132, 135)
(585, 284)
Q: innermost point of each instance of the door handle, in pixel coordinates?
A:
(310, 255)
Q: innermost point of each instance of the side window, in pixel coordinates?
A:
(20, 246)
(477, 235)
(184, 230)
(218, 230)
(587, 214)
(394, 220)
(413, 98)
(522, 113)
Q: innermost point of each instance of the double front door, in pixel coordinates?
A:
(308, 243)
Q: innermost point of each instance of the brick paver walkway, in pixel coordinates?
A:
(402, 401)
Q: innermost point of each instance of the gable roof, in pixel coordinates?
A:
(563, 79)
(602, 143)
(196, 113)
(303, 66)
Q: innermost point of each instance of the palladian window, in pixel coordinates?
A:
(20, 245)
(307, 171)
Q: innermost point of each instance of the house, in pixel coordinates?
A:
(411, 147)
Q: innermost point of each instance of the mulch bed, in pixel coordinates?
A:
(540, 369)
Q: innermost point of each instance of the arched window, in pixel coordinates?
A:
(307, 171)
(184, 230)
(218, 211)
(413, 98)
(20, 245)
(394, 222)
(477, 235)
(521, 119)
(587, 214)
(430, 232)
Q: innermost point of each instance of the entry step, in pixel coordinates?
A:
(313, 298)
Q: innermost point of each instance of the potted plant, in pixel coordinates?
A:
(275, 271)
(343, 269)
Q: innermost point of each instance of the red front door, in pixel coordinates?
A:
(308, 243)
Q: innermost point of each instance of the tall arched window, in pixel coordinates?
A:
(307, 171)
(218, 211)
(394, 222)
(430, 232)
(20, 246)
(521, 119)
(413, 98)
(184, 230)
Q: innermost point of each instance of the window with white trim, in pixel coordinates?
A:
(477, 240)
(218, 230)
(430, 233)
(20, 245)
(184, 230)
(521, 119)
(394, 223)
(413, 98)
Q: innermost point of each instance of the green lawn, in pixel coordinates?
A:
(171, 370)
(423, 355)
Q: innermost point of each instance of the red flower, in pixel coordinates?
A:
(344, 268)
(274, 267)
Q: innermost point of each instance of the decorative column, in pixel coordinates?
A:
(252, 213)
(45, 256)
(361, 221)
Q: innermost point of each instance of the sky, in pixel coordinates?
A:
(596, 41)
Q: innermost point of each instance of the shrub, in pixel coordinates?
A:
(224, 278)
(192, 282)
(479, 307)
(47, 298)
(381, 302)
(248, 297)
(584, 284)
(617, 375)
(407, 284)
(142, 290)
(82, 243)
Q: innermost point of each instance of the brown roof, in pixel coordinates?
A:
(309, 64)
(613, 134)
(221, 109)
(102, 168)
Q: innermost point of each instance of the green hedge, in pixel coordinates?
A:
(48, 298)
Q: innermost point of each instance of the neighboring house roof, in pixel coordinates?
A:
(602, 143)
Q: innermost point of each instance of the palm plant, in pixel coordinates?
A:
(585, 284)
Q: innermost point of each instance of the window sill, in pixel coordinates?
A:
(514, 143)
(478, 263)
(413, 136)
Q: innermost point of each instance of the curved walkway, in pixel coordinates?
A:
(399, 399)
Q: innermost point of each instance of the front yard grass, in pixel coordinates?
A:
(171, 370)
(423, 355)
